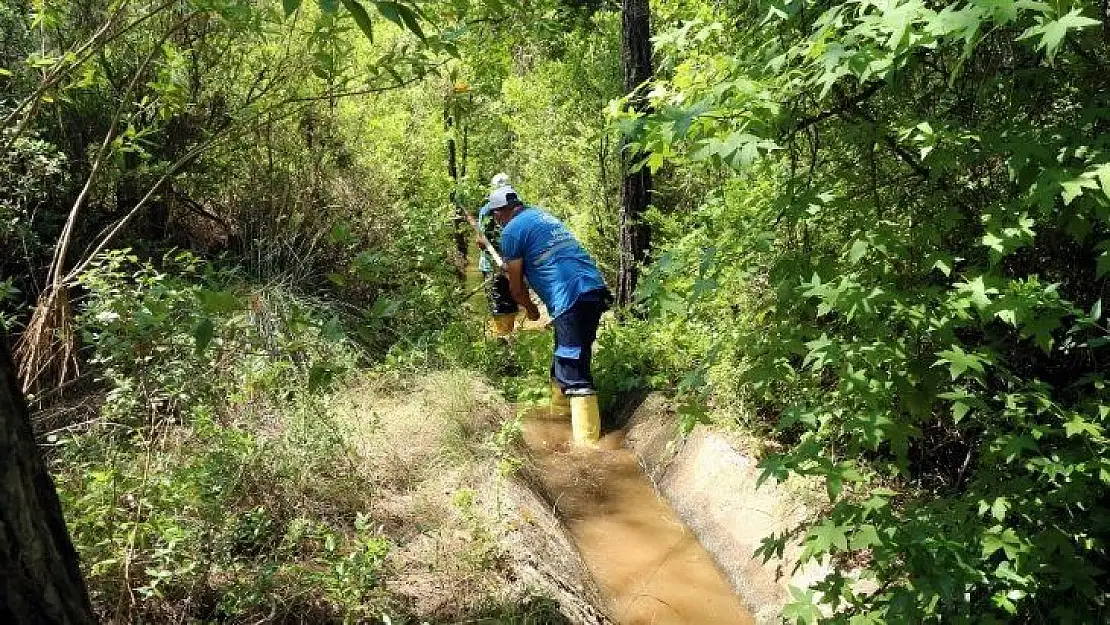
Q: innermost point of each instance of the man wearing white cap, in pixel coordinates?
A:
(538, 247)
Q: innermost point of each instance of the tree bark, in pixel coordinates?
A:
(453, 171)
(40, 581)
(636, 67)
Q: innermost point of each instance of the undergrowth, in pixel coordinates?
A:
(218, 480)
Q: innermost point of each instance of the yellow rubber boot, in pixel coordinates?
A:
(560, 403)
(503, 324)
(585, 420)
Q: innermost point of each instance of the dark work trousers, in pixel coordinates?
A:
(501, 300)
(575, 331)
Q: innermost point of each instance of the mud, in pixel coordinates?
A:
(649, 565)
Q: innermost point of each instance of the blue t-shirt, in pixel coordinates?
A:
(556, 266)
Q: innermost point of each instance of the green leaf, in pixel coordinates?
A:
(944, 266)
(865, 536)
(361, 18)
(329, 6)
(826, 537)
(1071, 189)
(959, 411)
(203, 333)
(1005, 540)
(1102, 174)
(998, 508)
(1053, 32)
(290, 6)
(412, 21)
(1102, 265)
(218, 302)
(959, 361)
(391, 12)
(802, 608)
(977, 292)
(994, 242)
(859, 249)
(1077, 426)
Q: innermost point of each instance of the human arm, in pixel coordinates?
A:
(515, 270)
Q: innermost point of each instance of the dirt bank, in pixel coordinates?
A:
(468, 542)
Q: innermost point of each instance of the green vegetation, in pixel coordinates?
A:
(897, 261)
(881, 243)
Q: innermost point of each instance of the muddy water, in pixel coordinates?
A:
(646, 560)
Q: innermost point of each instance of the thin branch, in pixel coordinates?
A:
(367, 91)
(842, 107)
(200, 209)
(67, 231)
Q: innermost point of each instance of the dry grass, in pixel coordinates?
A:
(425, 444)
(46, 349)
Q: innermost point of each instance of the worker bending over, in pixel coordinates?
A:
(538, 247)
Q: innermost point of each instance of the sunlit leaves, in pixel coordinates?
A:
(801, 608)
(937, 322)
(825, 537)
(1051, 32)
(1005, 234)
(737, 149)
(976, 292)
(1004, 539)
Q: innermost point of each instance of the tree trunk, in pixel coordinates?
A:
(635, 235)
(40, 581)
(453, 171)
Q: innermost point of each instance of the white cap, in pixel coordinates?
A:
(499, 180)
(502, 197)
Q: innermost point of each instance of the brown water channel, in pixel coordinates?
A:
(647, 561)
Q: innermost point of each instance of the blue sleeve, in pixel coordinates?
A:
(511, 245)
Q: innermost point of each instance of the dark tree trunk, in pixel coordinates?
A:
(636, 185)
(453, 171)
(40, 581)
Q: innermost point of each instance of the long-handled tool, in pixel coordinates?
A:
(492, 251)
(489, 249)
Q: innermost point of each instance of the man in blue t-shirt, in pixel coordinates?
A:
(538, 247)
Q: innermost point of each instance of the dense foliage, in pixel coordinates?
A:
(904, 280)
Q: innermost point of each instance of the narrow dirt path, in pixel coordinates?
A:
(649, 564)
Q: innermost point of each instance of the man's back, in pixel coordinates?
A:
(555, 264)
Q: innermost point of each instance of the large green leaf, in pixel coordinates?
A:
(361, 18)
(1052, 32)
(290, 6)
(203, 333)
